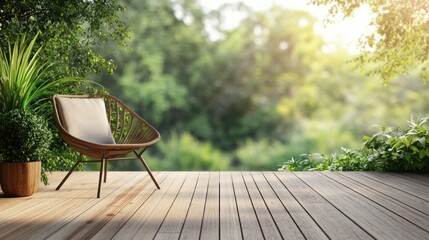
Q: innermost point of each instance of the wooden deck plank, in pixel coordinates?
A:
(410, 200)
(210, 225)
(413, 177)
(175, 219)
(377, 221)
(248, 219)
(93, 219)
(75, 200)
(285, 224)
(268, 226)
(229, 221)
(308, 226)
(39, 201)
(410, 187)
(152, 209)
(7, 202)
(17, 204)
(333, 222)
(223, 205)
(127, 212)
(80, 205)
(136, 213)
(393, 205)
(149, 229)
(192, 227)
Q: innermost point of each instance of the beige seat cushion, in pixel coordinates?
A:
(85, 118)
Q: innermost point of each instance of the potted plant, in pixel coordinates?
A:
(25, 90)
(24, 145)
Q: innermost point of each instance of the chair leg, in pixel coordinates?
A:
(105, 171)
(70, 172)
(147, 169)
(101, 177)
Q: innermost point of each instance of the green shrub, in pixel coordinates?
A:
(25, 136)
(262, 154)
(391, 149)
(183, 151)
(26, 82)
(394, 149)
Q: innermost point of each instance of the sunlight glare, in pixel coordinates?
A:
(342, 33)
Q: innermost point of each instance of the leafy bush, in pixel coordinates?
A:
(401, 150)
(185, 152)
(26, 82)
(262, 154)
(69, 30)
(391, 149)
(25, 136)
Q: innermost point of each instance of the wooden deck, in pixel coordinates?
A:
(223, 205)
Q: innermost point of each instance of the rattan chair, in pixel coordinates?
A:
(102, 128)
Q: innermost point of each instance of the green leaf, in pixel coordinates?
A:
(422, 154)
(407, 156)
(25, 78)
(415, 149)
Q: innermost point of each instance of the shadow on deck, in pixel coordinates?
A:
(223, 205)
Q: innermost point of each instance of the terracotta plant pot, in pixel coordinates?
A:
(20, 179)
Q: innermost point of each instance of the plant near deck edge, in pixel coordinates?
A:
(391, 149)
(25, 137)
(27, 84)
(24, 81)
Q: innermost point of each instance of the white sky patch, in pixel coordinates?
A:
(283, 46)
(343, 32)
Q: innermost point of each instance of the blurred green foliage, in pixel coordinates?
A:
(184, 152)
(180, 152)
(68, 31)
(249, 96)
(391, 149)
(400, 40)
(243, 97)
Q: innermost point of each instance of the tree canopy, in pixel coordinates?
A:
(400, 43)
(254, 96)
(69, 30)
(246, 97)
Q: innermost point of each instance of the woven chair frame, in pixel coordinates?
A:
(130, 132)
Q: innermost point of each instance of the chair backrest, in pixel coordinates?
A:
(84, 118)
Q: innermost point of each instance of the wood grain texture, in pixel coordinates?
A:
(192, 227)
(396, 207)
(129, 209)
(175, 219)
(93, 219)
(47, 205)
(305, 223)
(413, 188)
(229, 220)
(222, 205)
(332, 221)
(268, 226)
(285, 224)
(392, 191)
(377, 221)
(249, 221)
(413, 177)
(210, 225)
(149, 217)
(20, 179)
